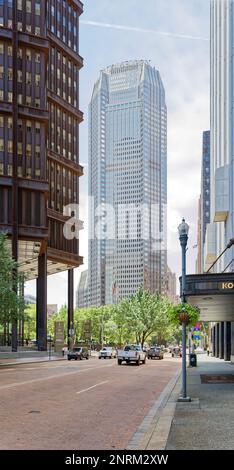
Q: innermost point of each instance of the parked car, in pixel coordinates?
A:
(78, 353)
(176, 352)
(155, 353)
(107, 353)
(131, 353)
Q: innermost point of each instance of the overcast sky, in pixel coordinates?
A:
(174, 36)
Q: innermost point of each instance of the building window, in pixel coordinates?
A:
(10, 146)
(28, 6)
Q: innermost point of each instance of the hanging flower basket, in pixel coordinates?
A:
(184, 312)
(183, 316)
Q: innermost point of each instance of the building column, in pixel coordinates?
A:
(42, 303)
(217, 340)
(37, 296)
(70, 312)
(221, 340)
(227, 340)
(232, 341)
(15, 190)
(213, 341)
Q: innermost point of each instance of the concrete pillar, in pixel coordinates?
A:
(70, 311)
(227, 341)
(42, 303)
(213, 340)
(217, 340)
(232, 341)
(221, 340)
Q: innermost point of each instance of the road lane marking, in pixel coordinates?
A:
(7, 370)
(93, 386)
(26, 382)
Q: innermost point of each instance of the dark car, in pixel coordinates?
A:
(78, 353)
(155, 353)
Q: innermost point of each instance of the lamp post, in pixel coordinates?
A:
(183, 230)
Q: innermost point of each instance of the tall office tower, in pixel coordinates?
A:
(171, 286)
(204, 201)
(82, 293)
(128, 172)
(39, 138)
(221, 228)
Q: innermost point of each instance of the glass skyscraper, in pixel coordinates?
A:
(127, 183)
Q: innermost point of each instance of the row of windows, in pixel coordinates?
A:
(30, 148)
(29, 16)
(63, 134)
(63, 77)
(31, 83)
(63, 21)
(6, 72)
(63, 187)
(57, 239)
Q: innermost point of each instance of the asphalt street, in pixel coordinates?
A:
(78, 405)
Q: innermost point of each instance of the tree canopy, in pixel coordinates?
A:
(12, 305)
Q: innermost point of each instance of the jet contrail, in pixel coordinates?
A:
(142, 30)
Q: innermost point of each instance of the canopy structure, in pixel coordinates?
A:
(213, 294)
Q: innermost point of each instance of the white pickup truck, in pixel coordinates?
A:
(131, 353)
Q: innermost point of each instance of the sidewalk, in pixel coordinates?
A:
(208, 421)
(29, 360)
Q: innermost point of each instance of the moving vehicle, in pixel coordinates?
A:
(78, 353)
(155, 353)
(131, 353)
(176, 352)
(107, 353)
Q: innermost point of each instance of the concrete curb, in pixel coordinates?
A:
(2, 364)
(154, 430)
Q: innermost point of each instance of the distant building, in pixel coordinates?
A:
(171, 286)
(30, 299)
(128, 170)
(82, 293)
(51, 310)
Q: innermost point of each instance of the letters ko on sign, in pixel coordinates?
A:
(228, 285)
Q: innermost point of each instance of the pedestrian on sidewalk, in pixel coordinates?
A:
(208, 351)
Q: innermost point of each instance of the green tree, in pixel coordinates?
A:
(12, 304)
(145, 315)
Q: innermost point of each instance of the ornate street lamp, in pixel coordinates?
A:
(183, 230)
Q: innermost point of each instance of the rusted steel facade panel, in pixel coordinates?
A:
(39, 117)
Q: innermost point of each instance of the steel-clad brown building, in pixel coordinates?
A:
(39, 139)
